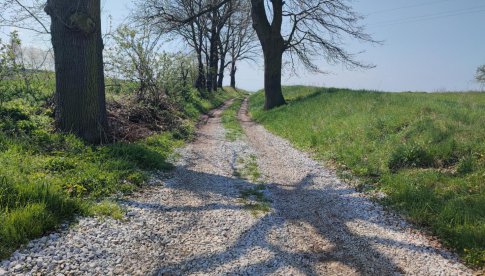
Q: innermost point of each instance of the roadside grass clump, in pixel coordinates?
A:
(425, 151)
(248, 169)
(253, 198)
(107, 208)
(41, 188)
(231, 122)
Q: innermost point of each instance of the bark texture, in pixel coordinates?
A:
(78, 51)
(233, 74)
(273, 60)
(273, 46)
(220, 78)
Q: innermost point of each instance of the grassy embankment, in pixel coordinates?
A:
(425, 151)
(47, 178)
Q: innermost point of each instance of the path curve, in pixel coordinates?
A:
(196, 223)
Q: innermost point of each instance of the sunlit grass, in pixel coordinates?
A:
(230, 121)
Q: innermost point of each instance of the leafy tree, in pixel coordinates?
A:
(135, 56)
(303, 29)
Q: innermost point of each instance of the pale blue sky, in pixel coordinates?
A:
(429, 45)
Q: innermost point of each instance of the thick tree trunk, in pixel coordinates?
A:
(233, 74)
(269, 34)
(213, 58)
(78, 51)
(273, 61)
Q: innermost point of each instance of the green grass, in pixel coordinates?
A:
(205, 104)
(48, 178)
(253, 198)
(425, 151)
(248, 169)
(255, 201)
(231, 122)
(107, 208)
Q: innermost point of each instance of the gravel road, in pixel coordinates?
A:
(196, 222)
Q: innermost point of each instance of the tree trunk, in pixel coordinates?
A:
(78, 51)
(272, 43)
(215, 71)
(200, 83)
(213, 62)
(273, 61)
(213, 56)
(220, 79)
(233, 74)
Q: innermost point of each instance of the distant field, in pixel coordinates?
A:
(425, 151)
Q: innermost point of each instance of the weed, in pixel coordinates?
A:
(250, 169)
(466, 165)
(410, 156)
(254, 198)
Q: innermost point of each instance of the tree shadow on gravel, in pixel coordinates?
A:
(341, 247)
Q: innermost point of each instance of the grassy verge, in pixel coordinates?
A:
(47, 178)
(425, 151)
